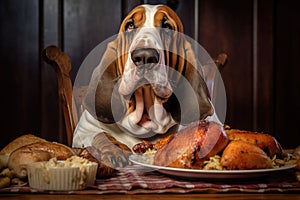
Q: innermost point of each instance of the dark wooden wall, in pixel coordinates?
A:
(261, 39)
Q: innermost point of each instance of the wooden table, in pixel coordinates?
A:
(234, 196)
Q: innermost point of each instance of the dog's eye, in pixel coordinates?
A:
(129, 26)
(166, 25)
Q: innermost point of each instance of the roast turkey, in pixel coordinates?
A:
(190, 147)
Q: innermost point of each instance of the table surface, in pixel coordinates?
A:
(233, 196)
(129, 184)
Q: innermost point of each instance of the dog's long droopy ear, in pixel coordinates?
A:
(190, 93)
(100, 94)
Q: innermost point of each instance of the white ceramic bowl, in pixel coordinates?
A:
(43, 176)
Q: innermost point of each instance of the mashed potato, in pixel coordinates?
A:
(71, 174)
(74, 161)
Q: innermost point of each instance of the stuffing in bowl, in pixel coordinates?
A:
(74, 173)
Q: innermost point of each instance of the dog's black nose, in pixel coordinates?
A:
(142, 56)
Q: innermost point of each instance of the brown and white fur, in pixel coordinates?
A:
(132, 93)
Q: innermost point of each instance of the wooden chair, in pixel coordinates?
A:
(71, 98)
(61, 63)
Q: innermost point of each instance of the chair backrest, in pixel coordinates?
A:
(61, 63)
(70, 98)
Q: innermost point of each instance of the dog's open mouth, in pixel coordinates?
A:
(146, 112)
(148, 107)
(144, 100)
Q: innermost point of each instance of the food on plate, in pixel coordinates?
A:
(163, 142)
(144, 146)
(264, 141)
(243, 155)
(213, 163)
(190, 147)
(74, 173)
(205, 145)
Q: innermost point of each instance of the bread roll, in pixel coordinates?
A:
(39, 151)
(15, 144)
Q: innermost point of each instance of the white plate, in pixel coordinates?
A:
(209, 174)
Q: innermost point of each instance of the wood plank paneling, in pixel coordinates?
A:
(20, 70)
(287, 70)
(226, 26)
(261, 39)
(128, 5)
(263, 70)
(52, 124)
(86, 24)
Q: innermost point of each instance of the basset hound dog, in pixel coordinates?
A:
(148, 84)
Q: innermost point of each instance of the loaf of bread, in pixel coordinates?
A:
(29, 148)
(35, 152)
(15, 144)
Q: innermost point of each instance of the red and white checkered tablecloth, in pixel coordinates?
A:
(135, 179)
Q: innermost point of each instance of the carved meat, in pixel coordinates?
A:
(190, 147)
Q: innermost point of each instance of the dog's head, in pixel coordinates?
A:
(149, 78)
